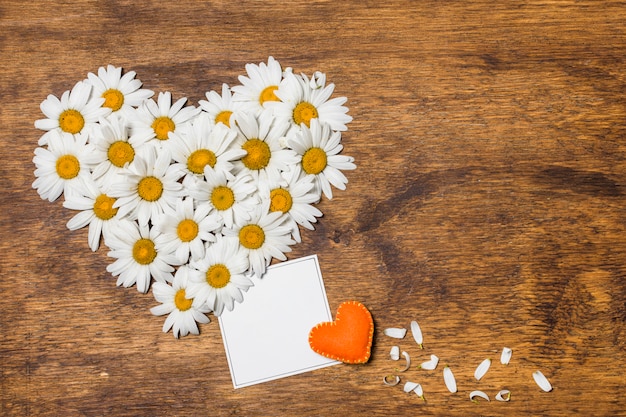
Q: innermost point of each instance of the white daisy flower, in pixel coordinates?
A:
(201, 148)
(260, 137)
(74, 113)
(259, 87)
(113, 149)
(120, 92)
(263, 237)
(64, 166)
(295, 198)
(183, 312)
(220, 108)
(319, 149)
(153, 121)
(96, 210)
(302, 100)
(218, 279)
(231, 198)
(185, 230)
(137, 256)
(150, 185)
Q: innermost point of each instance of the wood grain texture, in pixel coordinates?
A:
(489, 204)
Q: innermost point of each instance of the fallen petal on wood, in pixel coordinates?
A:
(542, 381)
(406, 356)
(417, 333)
(395, 380)
(480, 394)
(395, 353)
(410, 386)
(448, 378)
(503, 395)
(482, 369)
(419, 392)
(395, 332)
(505, 357)
(431, 364)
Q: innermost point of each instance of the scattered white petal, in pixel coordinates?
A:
(410, 386)
(542, 381)
(431, 364)
(505, 357)
(406, 356)
(480, 394)
(417, 333)
(419, 391)
(503, 395)
(395, 332)
(482, 369)
(395, 353)
(393, 382)
(448, 378)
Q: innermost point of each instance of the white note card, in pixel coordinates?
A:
(266, 337)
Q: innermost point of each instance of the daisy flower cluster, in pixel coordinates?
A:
(193, 201)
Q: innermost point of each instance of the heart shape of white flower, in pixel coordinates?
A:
(193, 201)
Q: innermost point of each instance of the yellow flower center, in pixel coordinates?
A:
(314, 161)
(71, 121)
(120, 152)
(252, 236)
(218, 276)
(199, 159)
(224, 117)
(187, 230)
(181, 301)
(222, 198)
(303, 113)
(280, 200)
(144, 252)
(268, 94)
(258, 154)
(113, 99)
(162, 126)
(150, 188)
(68, 167)
(103, 207)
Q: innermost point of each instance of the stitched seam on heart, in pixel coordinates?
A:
(362, 359)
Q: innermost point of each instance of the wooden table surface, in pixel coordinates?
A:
(489, 204)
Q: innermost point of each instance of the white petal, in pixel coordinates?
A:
(417, 333)
(410, 386)
(431, 364)
(542, 381)
(419, 391)
(503, 395)
(394, 381)
(506, 356)
(480, 394)
(406, 356)
(395, 353)
(396, 333)
(448, 378)
(482, 369)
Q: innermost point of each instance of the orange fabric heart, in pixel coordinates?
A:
(347, 339)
